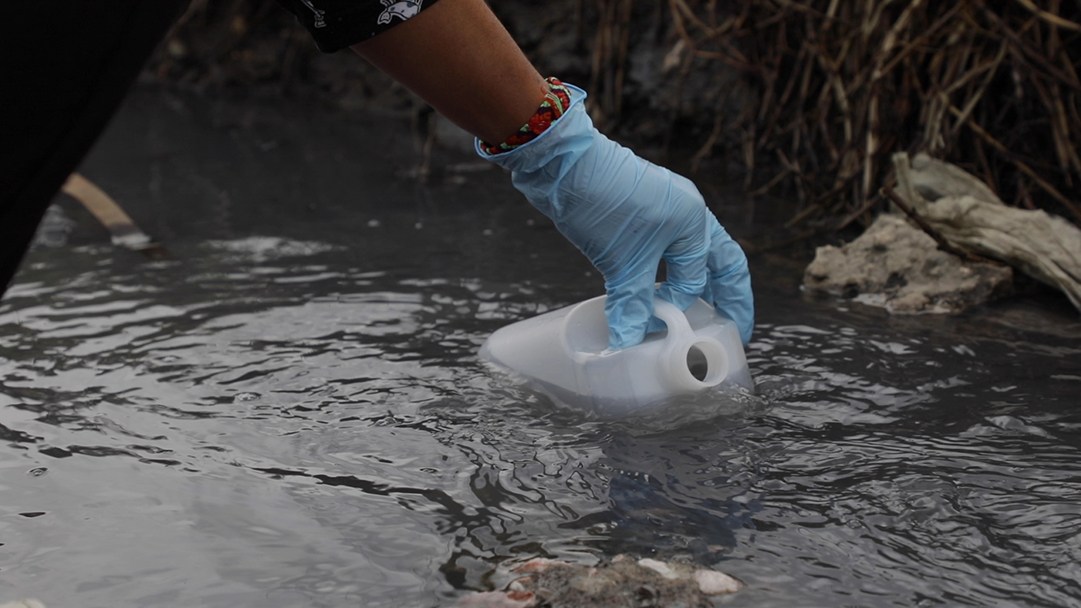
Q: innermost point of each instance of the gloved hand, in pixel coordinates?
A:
(626, 214)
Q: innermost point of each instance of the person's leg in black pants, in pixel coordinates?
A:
(65, 66)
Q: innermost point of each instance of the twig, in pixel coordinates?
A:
(931, 232)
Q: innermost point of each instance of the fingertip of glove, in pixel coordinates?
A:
(745, 332)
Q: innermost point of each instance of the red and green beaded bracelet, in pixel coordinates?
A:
(555, 103)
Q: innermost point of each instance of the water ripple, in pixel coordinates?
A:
(324, 433)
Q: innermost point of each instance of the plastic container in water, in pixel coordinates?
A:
(565, 354)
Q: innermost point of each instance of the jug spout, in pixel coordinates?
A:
(691, 362)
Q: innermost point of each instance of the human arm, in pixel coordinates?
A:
(624, 213)
(459, 58)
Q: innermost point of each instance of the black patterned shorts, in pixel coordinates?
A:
(336, 24)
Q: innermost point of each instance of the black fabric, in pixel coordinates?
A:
(336, 24)
(66, 65)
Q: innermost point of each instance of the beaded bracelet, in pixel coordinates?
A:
(556, 102)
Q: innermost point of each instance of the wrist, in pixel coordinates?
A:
(556, 102)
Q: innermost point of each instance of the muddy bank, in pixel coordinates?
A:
(898, 267)
(959, 248)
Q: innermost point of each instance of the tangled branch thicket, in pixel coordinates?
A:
(836, 86)
(991, 85)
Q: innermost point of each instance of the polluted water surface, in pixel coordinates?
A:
(290, 411)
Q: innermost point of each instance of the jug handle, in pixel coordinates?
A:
(673, 317)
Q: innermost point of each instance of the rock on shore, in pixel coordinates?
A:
(900, 268)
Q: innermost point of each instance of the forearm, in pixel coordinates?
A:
(460, 59)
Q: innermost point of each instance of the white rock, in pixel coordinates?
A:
(712, 582)
(659, 567)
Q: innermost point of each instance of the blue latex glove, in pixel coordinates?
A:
(626, 214)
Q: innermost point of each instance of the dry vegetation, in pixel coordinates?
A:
(991, 85)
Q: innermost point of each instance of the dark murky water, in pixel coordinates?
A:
(291, 412)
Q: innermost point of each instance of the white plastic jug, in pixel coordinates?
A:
(564, 353)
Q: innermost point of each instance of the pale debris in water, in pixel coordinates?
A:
(27, 603)
(712, 582)
(537, 564)
(494, 599)
(659, 567)
(624, 582)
